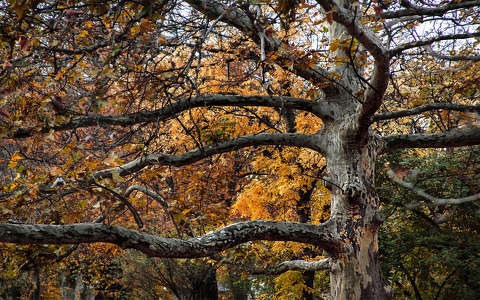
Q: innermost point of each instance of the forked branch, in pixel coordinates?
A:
(374, 95)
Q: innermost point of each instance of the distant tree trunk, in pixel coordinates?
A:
(309, 277)
(201, 288)
(63, 286)
(304, 216)
(36, 291)
(78, 288)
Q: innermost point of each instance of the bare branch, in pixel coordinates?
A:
(453, 138)
(294, 265)
(148, 192)
(452, 57)
(155, 246)
(428, 11)
(423, 108)
(434, 200)
(394, 22)
(125, 202)
(318, 108)
(286, 139)
(398, 50)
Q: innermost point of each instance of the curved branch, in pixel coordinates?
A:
(434, 200)
(155, 246)
(318, 108)
(148, 192)
(160, 200)
(423, 108)
(453, 138)
(398, 50)
(285, 139)
(293, 265)
(437, 11)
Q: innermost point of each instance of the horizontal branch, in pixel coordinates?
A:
(434, 200)
(317, 108)
(452, 57)
(285, 139)
(429, 11)
(155, 246)
(294, 265)
(398, 50)
(423, 108)
(453, 138)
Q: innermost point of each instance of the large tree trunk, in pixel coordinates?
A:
(355, 269)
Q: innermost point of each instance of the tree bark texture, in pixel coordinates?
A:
(354, 269)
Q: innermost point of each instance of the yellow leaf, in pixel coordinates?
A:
(186, 211)
(14, 160)
(82, 34)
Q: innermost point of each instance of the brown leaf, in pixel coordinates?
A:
(378, 11)
(7, 64)
(22, 42)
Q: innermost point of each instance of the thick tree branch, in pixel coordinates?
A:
(399, 49)
(453, 138)
(434, 200)
(356, 29)
(429, 11)
(293, 265)
(374, 95)
(423, 108)
(318, 108)
(285, 139)
(155, 246)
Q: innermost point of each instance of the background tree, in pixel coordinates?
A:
(98, 100)
(429, 252)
